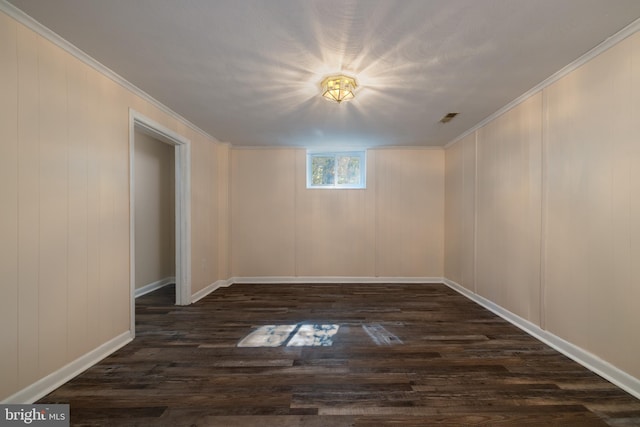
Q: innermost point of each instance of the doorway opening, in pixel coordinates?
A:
(139, 124)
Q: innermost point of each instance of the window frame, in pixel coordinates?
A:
(361, 154)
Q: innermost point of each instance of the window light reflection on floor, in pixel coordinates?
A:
(291, 336)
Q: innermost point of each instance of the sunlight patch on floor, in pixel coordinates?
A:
(380, 335)
(267, 336)
(291, 336)
(314, 336)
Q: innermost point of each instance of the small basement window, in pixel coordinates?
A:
(336, 169)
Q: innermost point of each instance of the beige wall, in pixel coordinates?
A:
(154, 210)
(558, 190)
(409, 212)
(393, 228)
(209, 231)
(262, 212)
(64, 216)
(460, 222)
(508, 210)
(592, 258)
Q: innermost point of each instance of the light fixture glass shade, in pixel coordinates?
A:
(339, 88)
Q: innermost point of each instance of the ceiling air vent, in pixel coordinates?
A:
(447, 118)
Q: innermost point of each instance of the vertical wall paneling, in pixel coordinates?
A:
(592, 156)
(53, 161)
(118, 286)
(114, 210)
(470, 214)
(94, 267)
(212, 247)
(9, 206)
(28, 205)
(579, 181)
(78, 190)
(223, 211)
(393, 228)
(558, 234)
(508, 234)
(460, 212)
(262, 211)
(334, 228)
(202, 198)
(634, 210)
(624, 189)
(102, 135)
(212, 220)
(199, 222)
(410, 190)
(119, 123)
(544, 211)
(453, 212)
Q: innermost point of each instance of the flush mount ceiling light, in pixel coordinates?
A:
(339, 88)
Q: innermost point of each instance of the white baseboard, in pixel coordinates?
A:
(333, 279)
(307, 279)
(589, 360)
(155, 285)
(54, 380)
(212, 287)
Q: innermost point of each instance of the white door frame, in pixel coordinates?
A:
(138, 122)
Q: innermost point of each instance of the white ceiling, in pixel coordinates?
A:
(248, 71)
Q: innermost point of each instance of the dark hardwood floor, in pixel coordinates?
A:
(404, 355)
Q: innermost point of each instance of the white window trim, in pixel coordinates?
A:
(363, 169)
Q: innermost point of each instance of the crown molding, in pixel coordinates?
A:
(26, 20)
(627, 31)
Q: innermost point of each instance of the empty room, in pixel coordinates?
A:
(320, 213)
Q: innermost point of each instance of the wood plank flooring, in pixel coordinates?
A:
(405, 355)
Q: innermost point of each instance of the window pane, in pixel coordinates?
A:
(348, 170)
(336, 169)
(322, 170)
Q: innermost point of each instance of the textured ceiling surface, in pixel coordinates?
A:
(248, 71)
